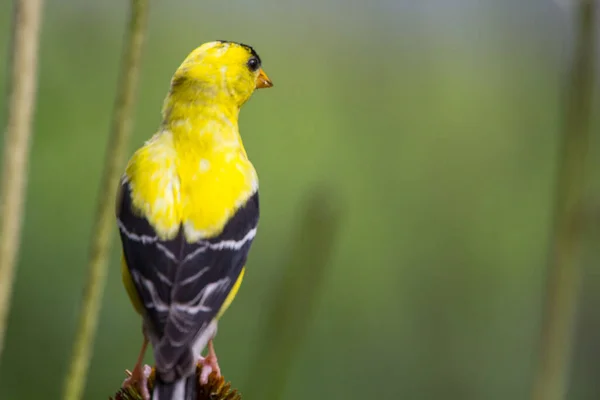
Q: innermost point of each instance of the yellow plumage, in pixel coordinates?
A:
(231, 295)
(190, 182)
(195, 170)
(130, 288)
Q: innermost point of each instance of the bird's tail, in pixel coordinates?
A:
(181, 389)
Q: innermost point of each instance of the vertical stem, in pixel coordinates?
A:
(294, 298)
(21, 104)
(104, 223)
(563, 281)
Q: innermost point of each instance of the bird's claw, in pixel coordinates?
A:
(209, 364)
(139, 378)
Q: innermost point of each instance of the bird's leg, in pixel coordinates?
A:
(209, 364)
(139, 375)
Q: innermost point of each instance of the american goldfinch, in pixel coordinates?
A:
(187, 213)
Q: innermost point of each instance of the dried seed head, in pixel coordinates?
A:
(215, 389)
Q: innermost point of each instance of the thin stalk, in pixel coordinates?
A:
(293, 301)
(23, 60)
(104, 223)
(564, 274)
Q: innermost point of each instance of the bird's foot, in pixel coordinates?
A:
(139, 378)
(209, 364)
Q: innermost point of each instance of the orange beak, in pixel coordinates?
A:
(263, 81)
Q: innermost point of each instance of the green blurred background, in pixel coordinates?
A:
(435, 126)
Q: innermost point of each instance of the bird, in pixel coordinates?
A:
(187, 210)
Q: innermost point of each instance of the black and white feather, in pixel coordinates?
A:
(183, 285)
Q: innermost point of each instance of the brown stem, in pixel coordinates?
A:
(104, 223)
(564, 274)
(292, 303)
(23, 61)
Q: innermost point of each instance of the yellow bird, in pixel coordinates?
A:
(187, 213)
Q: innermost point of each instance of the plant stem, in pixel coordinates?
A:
(564, 274)
(104, 223)
(294, 298)
(23, 59)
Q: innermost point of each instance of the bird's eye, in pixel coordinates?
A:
(253, 64)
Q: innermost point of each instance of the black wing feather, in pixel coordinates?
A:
(183, 285)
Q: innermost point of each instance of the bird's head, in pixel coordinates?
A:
(219, 72)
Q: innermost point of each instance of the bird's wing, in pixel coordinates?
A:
(183, 285)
